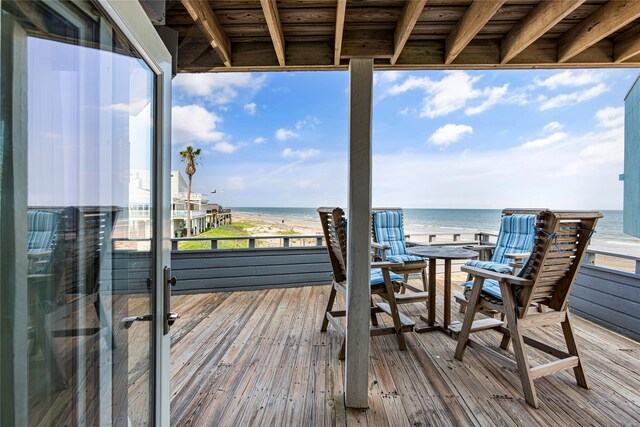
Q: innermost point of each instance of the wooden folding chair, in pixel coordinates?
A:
(561, 239)
(513, 245)
(383, 283)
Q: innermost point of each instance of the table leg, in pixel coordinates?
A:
(447, 293)
(432, 292)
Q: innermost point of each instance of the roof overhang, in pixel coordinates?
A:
(270, 35)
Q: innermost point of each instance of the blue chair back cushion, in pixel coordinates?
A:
(517, 235)
(390, 231)
(42, 227)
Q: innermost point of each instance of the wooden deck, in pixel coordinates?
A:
(259, 358)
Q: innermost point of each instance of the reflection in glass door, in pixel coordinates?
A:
(76, 208)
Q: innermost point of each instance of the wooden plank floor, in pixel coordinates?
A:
(259, 358)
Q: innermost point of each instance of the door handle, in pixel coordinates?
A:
(172, 316)
(169, 317)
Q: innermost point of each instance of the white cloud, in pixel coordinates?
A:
(449, 133)
(250, 108)
(300, 154)
(260, 140)
(494, 95)
(455, 91)
(573, 97)
(386, 76)
(610, 117)
(308, 122)
(551, 126)
(554, 138)
(283, 134)
(193, 123)
(225, 147)
(570, 78)
(219, 88)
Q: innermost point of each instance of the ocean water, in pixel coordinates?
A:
(608, 236)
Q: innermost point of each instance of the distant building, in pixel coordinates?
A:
(203, 214)
(631, 175)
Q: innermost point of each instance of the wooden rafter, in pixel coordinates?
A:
(606, 20)
(627, 44)
(270, 10)
(341, 11)
(206, 20)
(541, 19)
(410, 14)
(478, 14)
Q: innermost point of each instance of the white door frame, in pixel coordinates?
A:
(131, 19)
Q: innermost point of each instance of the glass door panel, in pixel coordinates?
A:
(76, 206)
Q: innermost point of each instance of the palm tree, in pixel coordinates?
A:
(191, 157)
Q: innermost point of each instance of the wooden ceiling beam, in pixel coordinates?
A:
(541, 19)
(341, 11)
(410, 14)
(476, 17)
(606, 20)
(627, 44)
(270, 10)
(206, 20)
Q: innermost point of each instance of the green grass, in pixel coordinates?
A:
(236, 229)
(231, 230)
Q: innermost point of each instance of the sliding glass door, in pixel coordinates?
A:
(81, 215)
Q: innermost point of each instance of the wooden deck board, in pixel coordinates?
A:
(259, 358)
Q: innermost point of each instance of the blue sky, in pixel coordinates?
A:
(461, 139)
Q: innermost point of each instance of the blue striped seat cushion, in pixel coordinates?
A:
(403, 258)
(390, 231)
(490, 265)
(490, 286)
(378, 279)
(517, 234)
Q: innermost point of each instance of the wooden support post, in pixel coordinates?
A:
(252, 243)
(359, 233)
(318, 241)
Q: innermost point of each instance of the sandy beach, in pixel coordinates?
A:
(270, 224)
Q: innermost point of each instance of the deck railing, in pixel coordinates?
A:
(315, 240)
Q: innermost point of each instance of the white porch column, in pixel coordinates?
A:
(359, 233)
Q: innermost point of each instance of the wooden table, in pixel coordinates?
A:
(434, 253)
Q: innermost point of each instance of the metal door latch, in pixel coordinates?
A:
(172, 316)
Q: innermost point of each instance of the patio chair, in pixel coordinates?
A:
(561, 239)
(384, 283)
(45, 259)
(513, 246)
(388, 230)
